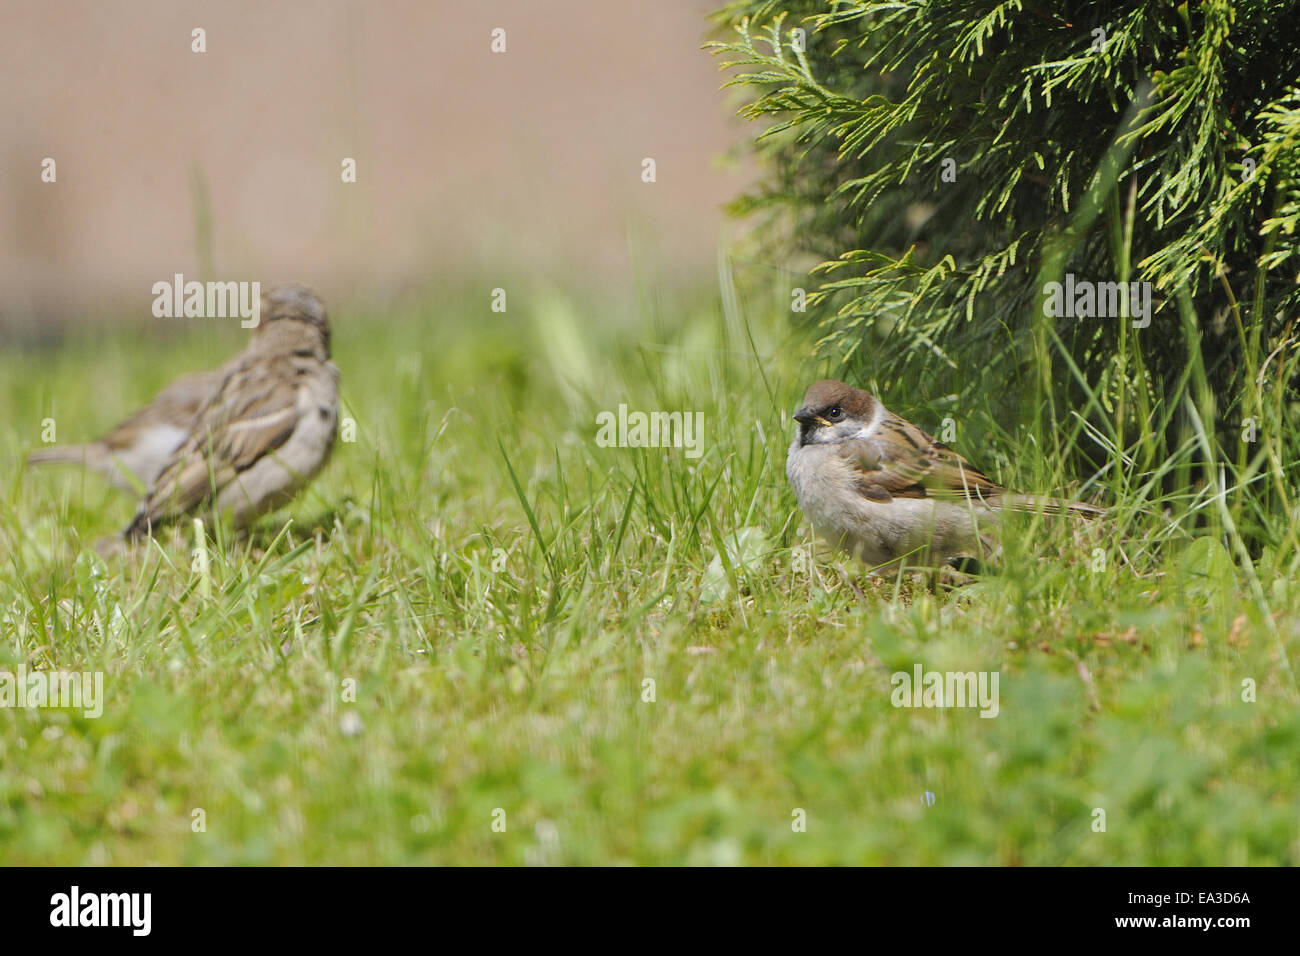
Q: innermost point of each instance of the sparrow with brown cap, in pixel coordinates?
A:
(878, 487)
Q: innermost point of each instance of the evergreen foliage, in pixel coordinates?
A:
(1115, 141)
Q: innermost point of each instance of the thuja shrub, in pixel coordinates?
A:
(1086, 211)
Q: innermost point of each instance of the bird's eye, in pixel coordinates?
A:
(834, 413)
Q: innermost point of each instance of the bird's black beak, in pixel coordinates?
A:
(808, 421)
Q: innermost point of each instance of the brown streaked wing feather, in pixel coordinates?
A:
(175, 405)
(258, 425)
(242, 422)
(185, 483)
(902, 461)
(955, 474)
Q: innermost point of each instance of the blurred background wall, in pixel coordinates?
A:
(469, 162)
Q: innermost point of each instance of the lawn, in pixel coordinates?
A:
(481, 637)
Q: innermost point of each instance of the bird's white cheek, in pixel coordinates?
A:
(851, 431)
(821, 436)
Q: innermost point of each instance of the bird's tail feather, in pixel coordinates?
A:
(66, 455)
(1051, 506)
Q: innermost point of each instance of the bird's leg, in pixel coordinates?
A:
(848, 579)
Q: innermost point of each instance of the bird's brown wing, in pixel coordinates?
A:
(901, 461)
(175, 405)
(252, 414)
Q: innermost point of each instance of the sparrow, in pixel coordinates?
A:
(266, 430)
(134, 452)
(875, 485)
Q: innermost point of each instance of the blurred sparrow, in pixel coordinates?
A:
(134, 452)
(265, 432)
(882, 489)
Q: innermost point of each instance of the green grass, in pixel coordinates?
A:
(521, 687)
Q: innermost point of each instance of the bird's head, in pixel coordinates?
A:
(833, 412)
(293, 302)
